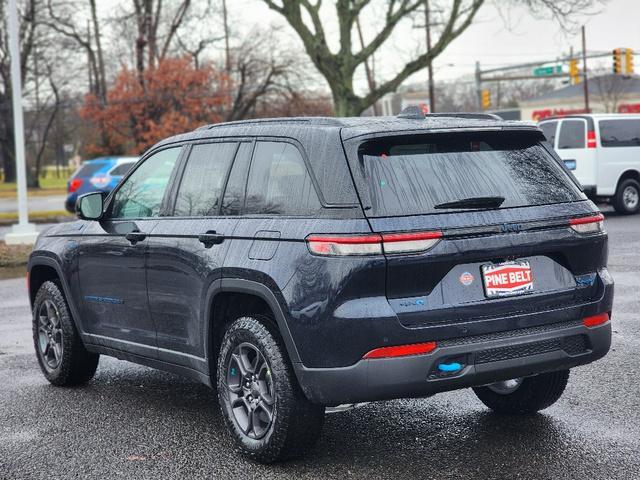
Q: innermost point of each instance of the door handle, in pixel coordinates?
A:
(210, 238)
(135, 236)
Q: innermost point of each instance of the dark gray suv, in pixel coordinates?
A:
(299, 263)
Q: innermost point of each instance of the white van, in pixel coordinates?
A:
(603, 152)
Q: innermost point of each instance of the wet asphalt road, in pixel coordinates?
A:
(134, 422)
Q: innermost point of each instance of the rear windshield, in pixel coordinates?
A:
(414, 175)
(88, 169)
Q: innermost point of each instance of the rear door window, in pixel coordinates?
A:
(279, 183)
(620, 133)
(549, 130)
(573, 134)
(414, 175)
(203, 179)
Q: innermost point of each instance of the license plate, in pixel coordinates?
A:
(507, 279)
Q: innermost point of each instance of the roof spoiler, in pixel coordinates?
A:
(416, 113)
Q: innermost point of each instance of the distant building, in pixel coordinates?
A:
(607, 94)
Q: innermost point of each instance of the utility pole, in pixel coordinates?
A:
(427, 23)
(226, 37)
(370, 79)
(23, 232)
(584, 70)
(478, 87)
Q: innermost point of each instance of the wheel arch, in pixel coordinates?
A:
(42, 269)
(256, 298)
(629, 173)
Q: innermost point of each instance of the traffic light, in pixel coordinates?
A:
(574, 72)
(486, 98)
(617, 60)
(628, 61)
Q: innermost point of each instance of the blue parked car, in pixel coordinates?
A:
(98, 175)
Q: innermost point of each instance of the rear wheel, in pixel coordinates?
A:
(627, 198)
(61, 354)
(523, 396)
(263, 406)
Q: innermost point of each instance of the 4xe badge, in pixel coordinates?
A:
(466, 279)
(506, 279)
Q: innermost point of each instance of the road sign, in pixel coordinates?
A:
(546, 71)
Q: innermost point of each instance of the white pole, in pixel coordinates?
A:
(23, 232)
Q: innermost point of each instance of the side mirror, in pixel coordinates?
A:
(90, 205)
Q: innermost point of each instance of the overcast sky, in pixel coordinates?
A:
(487, 40)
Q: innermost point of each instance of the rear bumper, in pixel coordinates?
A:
(484, 359)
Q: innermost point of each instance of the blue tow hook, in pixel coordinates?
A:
(449, 367)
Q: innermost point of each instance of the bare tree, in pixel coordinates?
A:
(611, 89)
(339, 67)
(258, 69)
(152, 41)
(72, 20)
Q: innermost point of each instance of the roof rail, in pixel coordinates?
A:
(415, 113)
(258, 121)
(471, 115)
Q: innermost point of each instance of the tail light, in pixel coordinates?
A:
(592, 224)
(75, 184)
(591, 139)
(596, 320)
(374, 244)
(402, 350)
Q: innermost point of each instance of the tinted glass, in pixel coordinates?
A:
(572, 134)
(142, 193)
(203, 179)
(121, 169)
(279, 182)
(412, 178)
(620, 133)
(549, 130)
(234, 193)
(88, 169)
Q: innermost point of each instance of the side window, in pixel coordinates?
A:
(549, 130)
(279, 182)
(234, 193)
(203, 179)
(572, 134)
(142, 193)
(620, 133)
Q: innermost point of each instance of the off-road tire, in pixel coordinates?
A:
(296, 422)
(77, 365)
(533, 394)
(619, 202)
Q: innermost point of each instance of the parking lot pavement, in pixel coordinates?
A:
(134, 422)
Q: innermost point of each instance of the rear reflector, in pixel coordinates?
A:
(596, 320)
(373, 244)
(591, 224)
(591, 139)
(402, 350)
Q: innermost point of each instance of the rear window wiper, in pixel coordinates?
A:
(472, 202)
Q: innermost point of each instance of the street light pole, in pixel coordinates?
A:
(427, 21)
(584, 70)
(23, 232)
